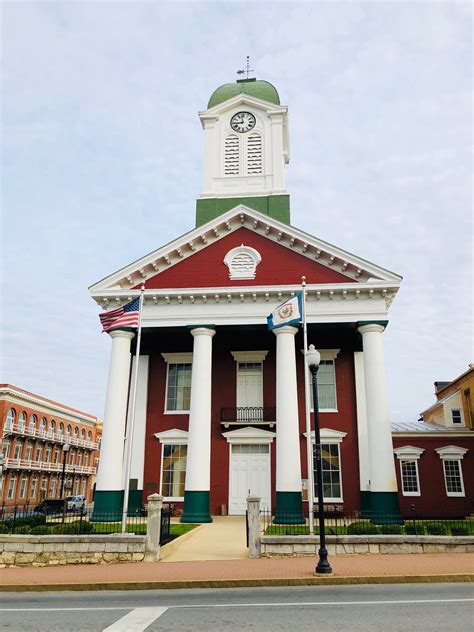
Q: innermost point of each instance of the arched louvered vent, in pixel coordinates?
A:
(254, 154)
(231, 155)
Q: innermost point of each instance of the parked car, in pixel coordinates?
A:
(76, 503)
(50, 506)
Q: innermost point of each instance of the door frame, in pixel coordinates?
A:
(250, 436)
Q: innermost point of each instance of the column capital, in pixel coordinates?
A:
(202, 330)
(121, 333)
(376, 327)
(287, 329)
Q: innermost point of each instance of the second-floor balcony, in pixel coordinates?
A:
(49, 435)
(248, 415)
(47, 466)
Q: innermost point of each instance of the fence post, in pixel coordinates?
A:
(253, 512)
(152, 542)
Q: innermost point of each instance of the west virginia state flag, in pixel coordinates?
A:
(288, 313)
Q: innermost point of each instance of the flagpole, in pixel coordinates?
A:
(309, 446)
(130, 426)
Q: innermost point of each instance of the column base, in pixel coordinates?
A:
(381, 507)
(289, 508)
(108, 506)
(196, 507)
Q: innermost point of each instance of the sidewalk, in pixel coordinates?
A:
(288, 571)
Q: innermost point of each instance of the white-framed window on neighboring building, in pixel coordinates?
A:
(28, 451)
(174, 451)
(10, 419)
(178, 382)
(44, 488)
(6, 448)
(17, 452)
(39, 454)
(47, 455)
(11, 488)
(34, 487)
(32, 424)
(23, 486)
(327, 393)
(456, 416)
(22, 422)
(331, 464)
(408, 457)
(453, 479)
(42, 425)
(54, 487)
(83, 486)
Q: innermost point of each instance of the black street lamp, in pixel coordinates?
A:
(313, 359)
(65, 451)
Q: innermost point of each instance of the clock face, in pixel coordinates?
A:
(242, 122)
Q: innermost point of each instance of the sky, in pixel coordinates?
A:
(102, 163)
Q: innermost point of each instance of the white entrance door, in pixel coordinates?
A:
(249, 384)
(249, 474)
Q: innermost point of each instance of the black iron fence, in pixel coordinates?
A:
(248, 414)
(24, 520)
(364, 523)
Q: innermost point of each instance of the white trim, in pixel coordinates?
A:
(327, 355)
(174, 436)
(408, 453)
(462, 493)
(328, 435)
(249, 435)
(451, 452)
(249, 356)
(242, 274)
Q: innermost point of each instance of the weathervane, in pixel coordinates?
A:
(247, 70)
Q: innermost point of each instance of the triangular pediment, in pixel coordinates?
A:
(249, 434)
(340, 266)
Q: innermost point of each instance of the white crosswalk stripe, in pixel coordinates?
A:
(136, 620)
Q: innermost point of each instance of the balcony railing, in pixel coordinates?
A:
(46, 466)
(253, 415)
(50, 435)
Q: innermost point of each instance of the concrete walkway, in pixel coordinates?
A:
(222, 539)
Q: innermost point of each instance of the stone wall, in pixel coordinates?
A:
(309, 545)
(53, 550)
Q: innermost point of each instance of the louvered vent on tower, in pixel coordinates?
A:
(254, 154)
(231, 155)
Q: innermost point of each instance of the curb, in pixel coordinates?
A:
(242, 583)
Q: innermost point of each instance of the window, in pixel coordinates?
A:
(44, 488)
(86, 460)
(76, 432)
(6, 448)
(47, 455)
(79, 458)
(43, 425)
(39, 452)
(453, 478)
(29, 451)
(451, 456)
(32, 425)
(61, 430)
(54, 487)
(22, 422)
(326, 386)
(24, 483)
(231, 155)
(55, 456)
(173, 470)
(10, 419)
(254, 154)
(11, 488)
(456, 416)
(250, 448)
(68, 433)
(17, 453)
(409, 476)
(331, 471)
(34, 487)
(178, 386)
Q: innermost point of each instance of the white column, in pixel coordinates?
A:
(198, 464)
(288, 461)
(382, 466)
(139, 431)
(362, 436)
(111, 454)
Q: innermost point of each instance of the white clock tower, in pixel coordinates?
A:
(246, 148)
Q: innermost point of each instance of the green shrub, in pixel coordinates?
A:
(436, 528)
(74, 528)
(459, 530)
(391, 529)
(362, 528)
(411, 530)
(30, 521)
(23, 529)
(40, 529)
(4, 528)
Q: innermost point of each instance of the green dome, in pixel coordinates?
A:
(252, 87)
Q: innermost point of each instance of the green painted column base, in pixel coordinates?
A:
(108, 506)
(196, 507)
(381, 507)
(289, 508)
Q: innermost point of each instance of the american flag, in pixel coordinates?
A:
(126, 316)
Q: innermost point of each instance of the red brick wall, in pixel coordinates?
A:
(433, 501)
(279, 266)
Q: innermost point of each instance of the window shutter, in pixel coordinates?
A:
(254, 154)
(231, 155)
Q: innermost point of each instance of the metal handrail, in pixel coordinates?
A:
(248, 414)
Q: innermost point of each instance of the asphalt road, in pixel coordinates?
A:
(427, 607)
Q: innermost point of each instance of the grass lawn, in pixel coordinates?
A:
(138, 529)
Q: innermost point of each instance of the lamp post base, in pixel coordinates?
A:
(323, 567)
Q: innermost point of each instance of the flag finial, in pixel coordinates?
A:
(247, 70)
